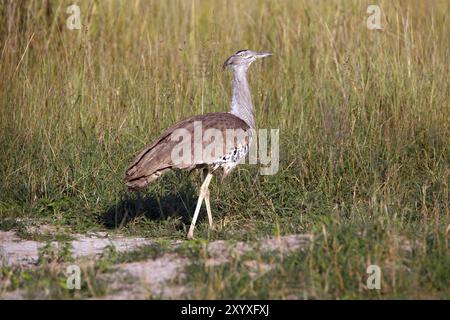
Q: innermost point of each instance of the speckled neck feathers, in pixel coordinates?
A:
(241, 103)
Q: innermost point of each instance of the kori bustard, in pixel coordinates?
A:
(223, 141)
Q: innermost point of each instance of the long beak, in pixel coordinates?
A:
(263, 54)
(226, 63)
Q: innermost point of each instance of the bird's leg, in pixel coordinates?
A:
(202, 195)
(208, 209)
(207, 202)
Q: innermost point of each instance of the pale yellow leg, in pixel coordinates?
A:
(208, 203)
(208, 209)
(203, 193)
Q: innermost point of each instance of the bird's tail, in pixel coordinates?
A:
(135, 183)
(147, 166)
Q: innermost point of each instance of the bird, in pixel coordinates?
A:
(185, 146)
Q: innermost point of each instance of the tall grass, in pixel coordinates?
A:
(363, 118)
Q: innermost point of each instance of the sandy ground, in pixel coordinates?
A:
(149, 278)
(15, 251)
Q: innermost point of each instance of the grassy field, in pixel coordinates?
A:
(364, 136)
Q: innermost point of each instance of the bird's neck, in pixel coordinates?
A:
(241, 103)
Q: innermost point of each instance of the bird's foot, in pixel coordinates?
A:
(190, 236)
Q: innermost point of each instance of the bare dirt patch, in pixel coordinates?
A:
(16, 251)
(151, 278)
(155, 278)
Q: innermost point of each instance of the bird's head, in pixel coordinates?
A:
(244, 58)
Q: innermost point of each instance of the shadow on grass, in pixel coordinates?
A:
(175, 203)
